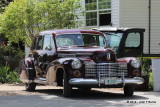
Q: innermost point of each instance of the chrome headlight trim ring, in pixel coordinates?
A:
(76, 64)
(136, 63)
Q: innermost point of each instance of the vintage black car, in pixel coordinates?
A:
(78, 58)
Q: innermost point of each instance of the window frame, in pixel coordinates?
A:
(51, 41)
(104, 41)
(139, 40)
(98, 11)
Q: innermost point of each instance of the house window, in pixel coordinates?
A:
(104, 4)
(91, 18)
(91, 5)
(104, 18)
(98, 12)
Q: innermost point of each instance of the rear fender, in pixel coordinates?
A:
(28, 70)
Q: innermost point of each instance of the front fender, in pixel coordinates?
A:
(56, 69)
(125, 59)
(131, 70)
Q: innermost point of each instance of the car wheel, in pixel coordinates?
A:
(67, 88)
(128, 90)
(30, 86)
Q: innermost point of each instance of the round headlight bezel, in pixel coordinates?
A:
(136, 63)
(76, 64)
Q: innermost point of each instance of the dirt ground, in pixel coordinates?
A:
(19, 89)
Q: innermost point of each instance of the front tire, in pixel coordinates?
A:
(30, 86)
(67, 88)
(128, 90)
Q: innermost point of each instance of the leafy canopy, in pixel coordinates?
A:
(3, 4)
(23, 19)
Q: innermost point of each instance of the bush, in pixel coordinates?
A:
(148, 71)
(146, 66)
(150, 81)
(10, 56)
(7, 76)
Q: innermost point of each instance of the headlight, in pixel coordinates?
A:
(136, 63)
(76, 64)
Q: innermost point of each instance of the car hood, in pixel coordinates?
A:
(84, 53)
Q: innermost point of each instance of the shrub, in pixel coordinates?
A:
(10, 56)
(150, 81)
(148, 71)
(146, 66)
(3, 74)
(7, 76)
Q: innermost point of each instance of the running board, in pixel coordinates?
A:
(41, 81)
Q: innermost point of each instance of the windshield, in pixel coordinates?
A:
(90, 40)
(113, 40)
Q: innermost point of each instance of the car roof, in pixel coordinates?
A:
(68, 31)
(114, 29)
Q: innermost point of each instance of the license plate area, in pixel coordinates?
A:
(110, 81)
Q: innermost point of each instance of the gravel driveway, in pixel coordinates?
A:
(46, 96)
(19, 89)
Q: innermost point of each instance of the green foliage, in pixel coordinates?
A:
(23, 19)
(146, 66)
(7, 76)
(3, 4)
(151, 81)
(10, 56)
(148, 71)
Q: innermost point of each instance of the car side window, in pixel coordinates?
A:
(101, 41)
(133, 40)
(39, 43)
(48, 43)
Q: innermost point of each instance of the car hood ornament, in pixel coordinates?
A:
(108, 56)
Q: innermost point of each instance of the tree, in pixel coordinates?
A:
(3, 4)
(23, 19)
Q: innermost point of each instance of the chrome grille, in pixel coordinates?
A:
(106, 69)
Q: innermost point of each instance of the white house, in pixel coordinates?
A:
(126, 13)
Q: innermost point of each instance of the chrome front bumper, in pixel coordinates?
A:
(82, 81)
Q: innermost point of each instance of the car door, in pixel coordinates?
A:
(49, 52)
(37, 53)
(131, 44)
(43, 51)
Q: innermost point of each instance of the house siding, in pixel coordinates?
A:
(134, 13)
(155, 26)
(115, 13)
(81, 16)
